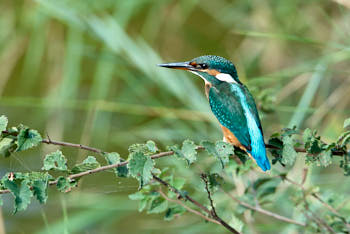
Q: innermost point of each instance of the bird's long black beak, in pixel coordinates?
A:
(181, 65)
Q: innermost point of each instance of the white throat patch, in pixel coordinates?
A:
(225, 77)
(221, 76)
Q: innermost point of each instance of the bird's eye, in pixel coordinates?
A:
(202, 65)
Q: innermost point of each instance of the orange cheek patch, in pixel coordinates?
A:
(212, 72)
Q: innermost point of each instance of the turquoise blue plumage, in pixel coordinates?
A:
(231, 103)
(234, 107)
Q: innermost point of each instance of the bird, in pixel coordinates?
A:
(231, 103)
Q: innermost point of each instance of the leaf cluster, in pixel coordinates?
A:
(226, 162)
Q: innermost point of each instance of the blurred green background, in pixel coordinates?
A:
(85, 71)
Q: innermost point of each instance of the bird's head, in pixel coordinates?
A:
(213, 69)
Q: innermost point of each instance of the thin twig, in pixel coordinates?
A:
(213, 211)
(343, 204)
(196, 203)
(320, 222)
(265, 212)
(331, 209)
(303, 180)
(187, 208)
(302, 150)
(185, 196)
(80, 146)
(205, 180)
(325, 204)
(293, 182)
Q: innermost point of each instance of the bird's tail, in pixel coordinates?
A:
(258, 152)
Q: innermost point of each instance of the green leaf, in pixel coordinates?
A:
(65, 184)
(142, 202)
(140, 167)
(114, 158)
(342, 136)
(151, 146)
(224, 150)
(21, 191)
(178, 183)
(214, 181)
(315, 147)
(27, 138)
(325, 158)
(289, 131)
(55, 161)
(266, 186)
(221, 150)
(142, 197)
(147, 149)
(347, 123)
(241, 154)
(277, 150)
(123, 171)
(187, 152)
(276, 142)
(345, 164)
(40, 189)
(158, 205)
(137, 196)
(88, 164)
(174, 211)
(7, 146)
(346, 140)
(307, 135)
(288, 153)
(3, 123)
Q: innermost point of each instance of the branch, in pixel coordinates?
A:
(331, 209)
(99, 169)
(205, 180)
(265, 212)
(104, 168)
(187, 208)
(84, 147)
(213, 211)
(196, 203)
(302, 150)
(320, 222)
(175, 190)
(80, 146)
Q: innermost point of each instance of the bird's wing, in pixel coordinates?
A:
(230, 113)
(252, 107)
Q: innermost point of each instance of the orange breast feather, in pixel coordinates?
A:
(232, 139)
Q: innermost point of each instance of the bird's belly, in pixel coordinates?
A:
(231, 138)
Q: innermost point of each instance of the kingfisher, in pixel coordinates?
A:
(231, 103)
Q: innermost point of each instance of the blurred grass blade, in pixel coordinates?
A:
(308, 95)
